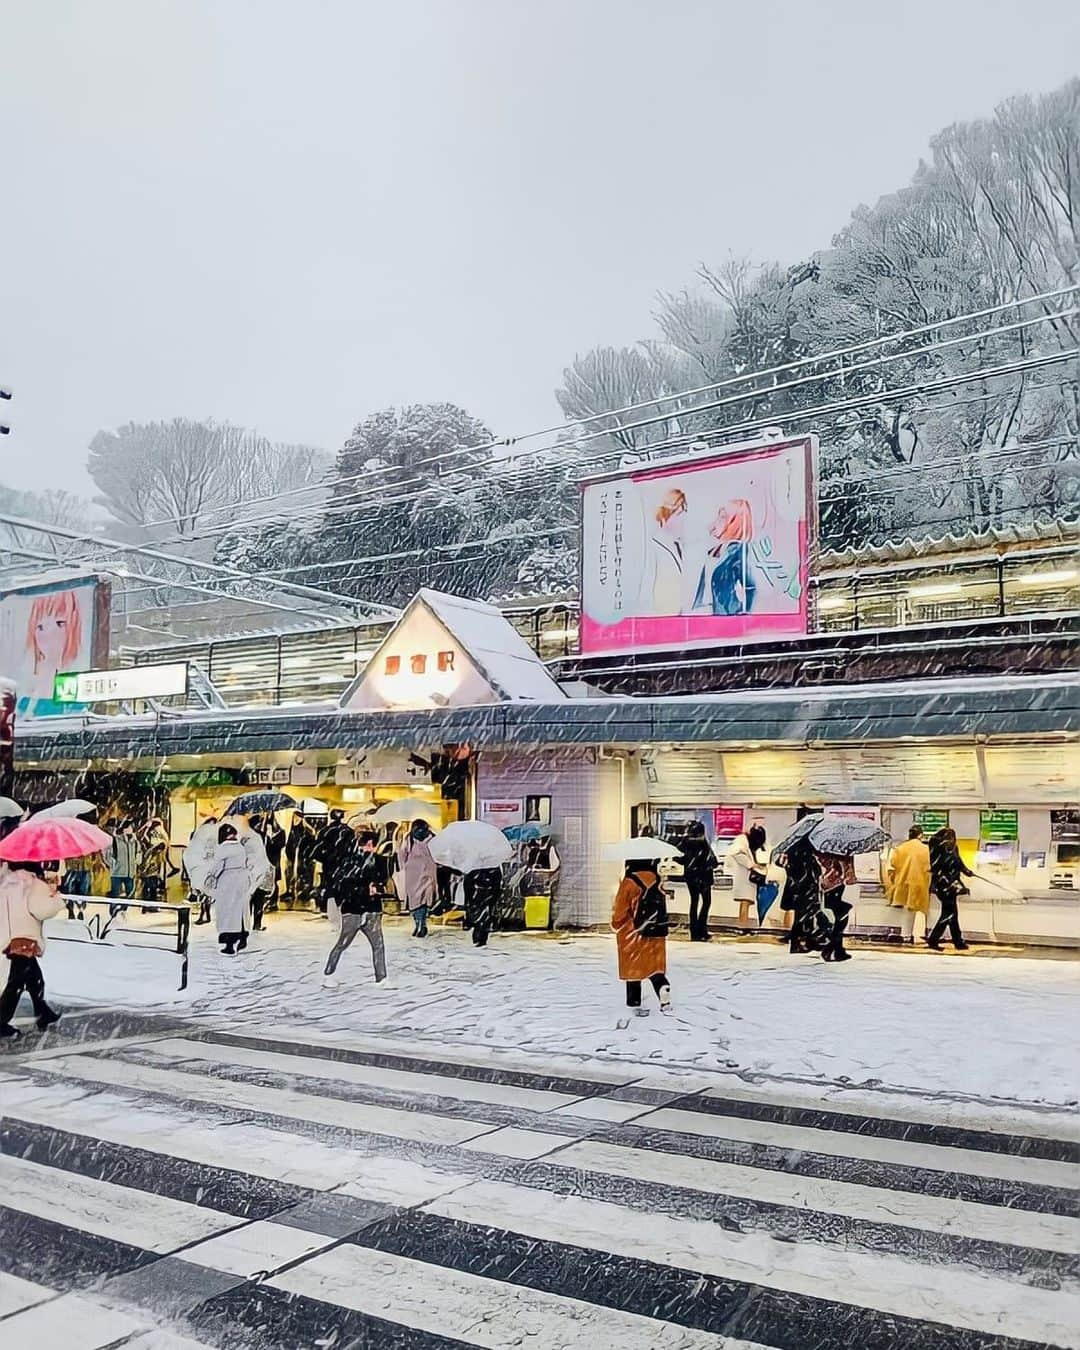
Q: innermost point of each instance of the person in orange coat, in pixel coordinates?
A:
(641, 935)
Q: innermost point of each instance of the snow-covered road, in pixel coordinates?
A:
(978, 1025)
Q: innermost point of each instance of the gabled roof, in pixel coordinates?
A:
(502, 658)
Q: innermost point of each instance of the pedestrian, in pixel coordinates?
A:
(946, 869)
(639, 918)
(153, 860)
(699, 866)
(274, 840)
(230, 884)
(258, 851)
(76, 882)
(123, 860)
(333, 848)
(25, 903)
(418, 880)
(483, 886)
(360, 877)
(802, 895)
(745, 862)
(909, 882)
(299, 865)
(837, 872)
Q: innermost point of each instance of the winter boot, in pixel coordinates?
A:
(665, 998)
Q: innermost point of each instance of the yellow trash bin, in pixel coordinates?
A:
(537, 911)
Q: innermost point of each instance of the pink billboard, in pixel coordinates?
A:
(700, 552)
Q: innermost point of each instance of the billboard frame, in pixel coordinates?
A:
(708, 458)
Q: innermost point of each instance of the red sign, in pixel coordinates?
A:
(727, 821)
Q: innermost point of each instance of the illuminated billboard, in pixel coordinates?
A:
(700, 552)
(48, 628)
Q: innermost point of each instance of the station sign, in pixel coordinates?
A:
(121, 686)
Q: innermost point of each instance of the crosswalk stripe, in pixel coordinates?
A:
(987, 1141)
(259, 1150)
(866, 1105)
(140, 1218)
(476, 1310)
(880, 1282)
(991, 1223)
(256, 1247)
(461, 1089)
(17, 1293)
(74, 1322)
(417, 1125)
(937, 1157)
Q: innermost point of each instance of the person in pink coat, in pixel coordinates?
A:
(419, 875)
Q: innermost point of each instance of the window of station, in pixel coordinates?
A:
(1043, 585)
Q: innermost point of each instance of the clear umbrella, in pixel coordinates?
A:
(641, 846)
(75, 807)
(408, 808)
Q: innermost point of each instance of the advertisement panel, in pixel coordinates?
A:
(700, 552)
(50, 628)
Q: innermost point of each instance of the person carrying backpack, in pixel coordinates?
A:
(640, 920)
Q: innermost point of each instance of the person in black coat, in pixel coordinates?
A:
(299, 864)
(359, 882)
(802, 893)
(946, 869)
(482, 890)
(699, 867)
(333, 847)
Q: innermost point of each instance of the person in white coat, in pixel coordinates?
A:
(230, 883)
(25, 903)
(746, 855)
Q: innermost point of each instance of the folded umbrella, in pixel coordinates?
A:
(468, 845)
(39, 840)
(771, 889)
(641, 847)
(263, 803)
(847, 836)
(74, 807)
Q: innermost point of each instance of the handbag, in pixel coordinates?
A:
(756, 878)
(22, 946)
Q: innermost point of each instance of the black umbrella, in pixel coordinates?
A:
(799, 831)
(847, 835)
(262, 803)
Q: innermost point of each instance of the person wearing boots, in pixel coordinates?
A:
(802, 894)
(230, 885)
(334, 847)
(639, 918)
(837, 873)
(416, 875)
(946, 869)
(299, 865)
(25, 903)
(699, 866)
(360, 878)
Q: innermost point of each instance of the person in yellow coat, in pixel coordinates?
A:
(909, 881)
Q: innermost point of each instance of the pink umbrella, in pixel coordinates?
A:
(39, 840)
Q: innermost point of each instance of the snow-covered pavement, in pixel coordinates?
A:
(978, 1026)
(178, 1187)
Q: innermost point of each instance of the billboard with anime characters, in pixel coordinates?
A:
(700, 552)
(53, 627)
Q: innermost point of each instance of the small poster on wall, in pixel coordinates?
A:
(999, 827)
(931, 819)
(727, 821)
(1065, 826)
(538, 810)
(502, 811)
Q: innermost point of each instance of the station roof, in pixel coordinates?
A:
(965, 709)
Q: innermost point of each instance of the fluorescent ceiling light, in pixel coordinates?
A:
(834, 602)
(938, 588)
(1047, 578)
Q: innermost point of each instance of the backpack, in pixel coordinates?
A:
(651, 912)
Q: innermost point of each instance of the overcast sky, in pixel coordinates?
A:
(290, 213)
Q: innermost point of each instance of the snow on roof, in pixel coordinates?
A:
(912, 546)
(502, 655)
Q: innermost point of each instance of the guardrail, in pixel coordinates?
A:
(101, 925)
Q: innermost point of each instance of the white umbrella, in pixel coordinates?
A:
(468, 845)
(408, 808)
(644, 846)
(10, 809)
(311, 806)
(75, 807)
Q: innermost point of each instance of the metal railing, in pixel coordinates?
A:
(101, 925)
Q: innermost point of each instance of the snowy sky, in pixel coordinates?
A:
(290, 214)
